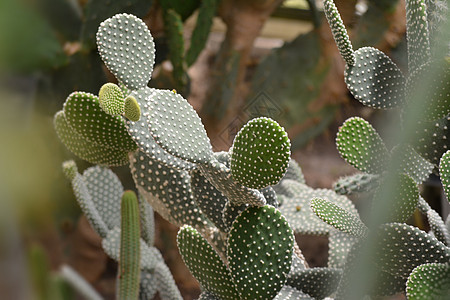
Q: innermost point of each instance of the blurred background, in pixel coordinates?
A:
(232, 59)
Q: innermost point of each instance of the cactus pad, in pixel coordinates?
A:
(177, 128)
(230, 213)
(70, 169)
(444, 171)
(85, 116)
(402, 248)
(340, 244)
(338, 217)
(259, 252)
(165, 283)
(148, 285)
(205, 264)
(438, 227)
(84, 149)
(417, 34)
(208, 198)
(356, 184)
(361, 146)
(316, 282)
(294, 172)
(168, 190)
(375, 80)
(127, 49)
(132, 110)
(260, 153)
(147, 221)
(432, 140)
(297, 210)
(220, 176)
(111, 98)
(339, 32)
(140, 133)
(291, 293)
(412, 164)
(429, 281)
(106, 191)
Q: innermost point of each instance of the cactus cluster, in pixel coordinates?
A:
(238, 210)
(412, 260)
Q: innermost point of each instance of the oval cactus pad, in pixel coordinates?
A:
(127, 49)
(260, 154)
(260, 246)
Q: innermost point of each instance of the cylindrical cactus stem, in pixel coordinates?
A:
(129, 262)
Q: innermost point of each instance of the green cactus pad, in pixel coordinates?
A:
(111, 98)
(205, 295)
(444, 171)
(260, 153)
(297, 210)
(70, 169)
(316, 282)
(205, 264)
(357, 183)
(432, 140)
(140, 133)
(220, 176)
(374, 80)
(290, 293)
(338, 217)
(411, 163)
(417, 34)
(177, 128)
(270, 195)
(129, 261)
(165, 283)
(168, 190)
(361, 146)
(199, 37)
(149, 255)
(339, 32)
(85, 116)
(340, 244)
(132, 110)
(438, 227)
(127, 49)
(87, 205)
(402, 248)
(437, 91)
(429, 281)
(404, 201)
(230, 213)
(106, 191)
(259, 253)
(89, 151)
(208, 198)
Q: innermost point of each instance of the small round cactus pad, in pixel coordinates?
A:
(260, 246)
(260, 154)
(127, 49)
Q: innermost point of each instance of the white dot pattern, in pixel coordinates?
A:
(111, 99)
(429, 281)
(357, 183)
(127, 49)
(290, 293)
(132, 110)
(89, 151)
(177, 128)
(375, 80)
(411, 163)
(444, 171)
(361, 146)
(260, 247)
(140, 133)
(403, 247)
(339, 245)
(205, 264)
(316, 282)
(260, 153)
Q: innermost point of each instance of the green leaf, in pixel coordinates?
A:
(127, 49)
(361, 146)
(259, 252)
(260, 153)
(338, 217)
(429, 281)
(211, 273)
